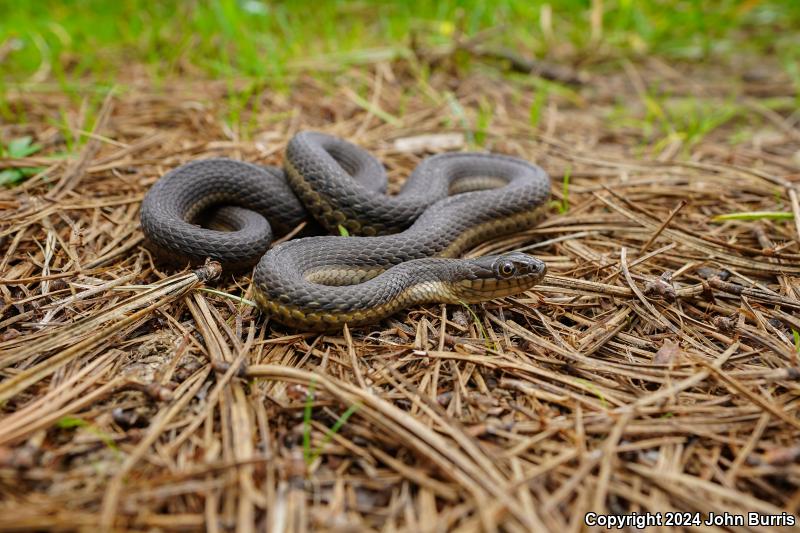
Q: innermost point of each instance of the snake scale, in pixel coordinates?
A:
(406, 245)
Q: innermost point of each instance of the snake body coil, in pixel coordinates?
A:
(450, 203)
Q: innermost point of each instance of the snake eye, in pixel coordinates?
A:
(506, 269)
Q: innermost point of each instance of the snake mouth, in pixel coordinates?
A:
(475, 291)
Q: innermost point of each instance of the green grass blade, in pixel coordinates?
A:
(755, 215)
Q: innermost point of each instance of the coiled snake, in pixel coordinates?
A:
(407, 244)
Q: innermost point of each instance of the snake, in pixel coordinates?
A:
(397, 251)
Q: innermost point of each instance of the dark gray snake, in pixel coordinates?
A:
(404, 256)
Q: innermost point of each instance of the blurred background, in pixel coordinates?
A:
(101, 41)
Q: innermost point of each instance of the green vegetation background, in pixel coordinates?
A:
(99, 39)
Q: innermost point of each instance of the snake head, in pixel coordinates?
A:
(495, 276)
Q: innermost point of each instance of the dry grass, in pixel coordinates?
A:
(654, 370)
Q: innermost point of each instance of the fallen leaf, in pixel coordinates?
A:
(668, 353)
